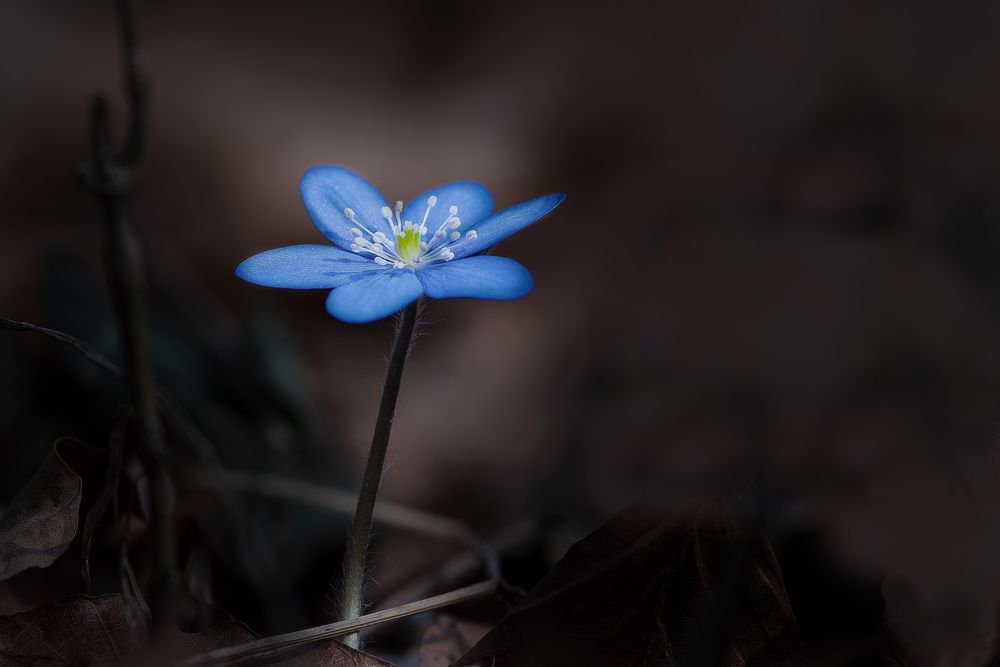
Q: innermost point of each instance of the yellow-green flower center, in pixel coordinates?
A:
(408, 245)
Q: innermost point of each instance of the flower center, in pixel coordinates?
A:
(408, 245)
(411, 247)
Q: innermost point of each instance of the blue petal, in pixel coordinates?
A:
(480, 277)
(375, 297)
(327, 191)
(502, 224)
(305, 267)
(472, 199)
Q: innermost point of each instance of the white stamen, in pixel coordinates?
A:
(431, 203)
(353, 217)
(382, 249)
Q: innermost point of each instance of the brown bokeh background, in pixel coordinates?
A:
(778, 255)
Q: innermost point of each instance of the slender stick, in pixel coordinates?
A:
(111, 178)
(357, 544)
(268, 647)
(87, 351)
(123, 259)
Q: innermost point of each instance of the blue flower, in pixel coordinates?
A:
(384, 258)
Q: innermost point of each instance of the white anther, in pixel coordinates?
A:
(439, 234)
(471, 235)
(456, 236)
(399, 206)
(432, 201)
(387, 213)
(423, 245)
(349, 212)
(408, 225)
(399, 264)
(355, 232)
(453, 210)
(355, 247)
(456, 223)
(448, 256)
(380, 261)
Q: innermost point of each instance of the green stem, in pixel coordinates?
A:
(357, 544)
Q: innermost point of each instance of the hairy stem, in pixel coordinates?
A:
(357, 544)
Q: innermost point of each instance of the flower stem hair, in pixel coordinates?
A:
(357, 545)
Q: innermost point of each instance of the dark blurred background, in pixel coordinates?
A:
(779, 258)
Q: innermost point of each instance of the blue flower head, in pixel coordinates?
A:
(384, 258)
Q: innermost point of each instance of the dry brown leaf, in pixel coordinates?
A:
(41, 521)
(654, 588)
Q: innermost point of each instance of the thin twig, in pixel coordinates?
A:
(462, 566)
(386, 512)
(86, 350)
(270, 646)
(136, 86)
(112, 178)
(357, 544)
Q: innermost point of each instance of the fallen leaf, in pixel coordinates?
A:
(448, 640)
(41, 521)
(654, 588)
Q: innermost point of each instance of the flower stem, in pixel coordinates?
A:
(357, 544)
